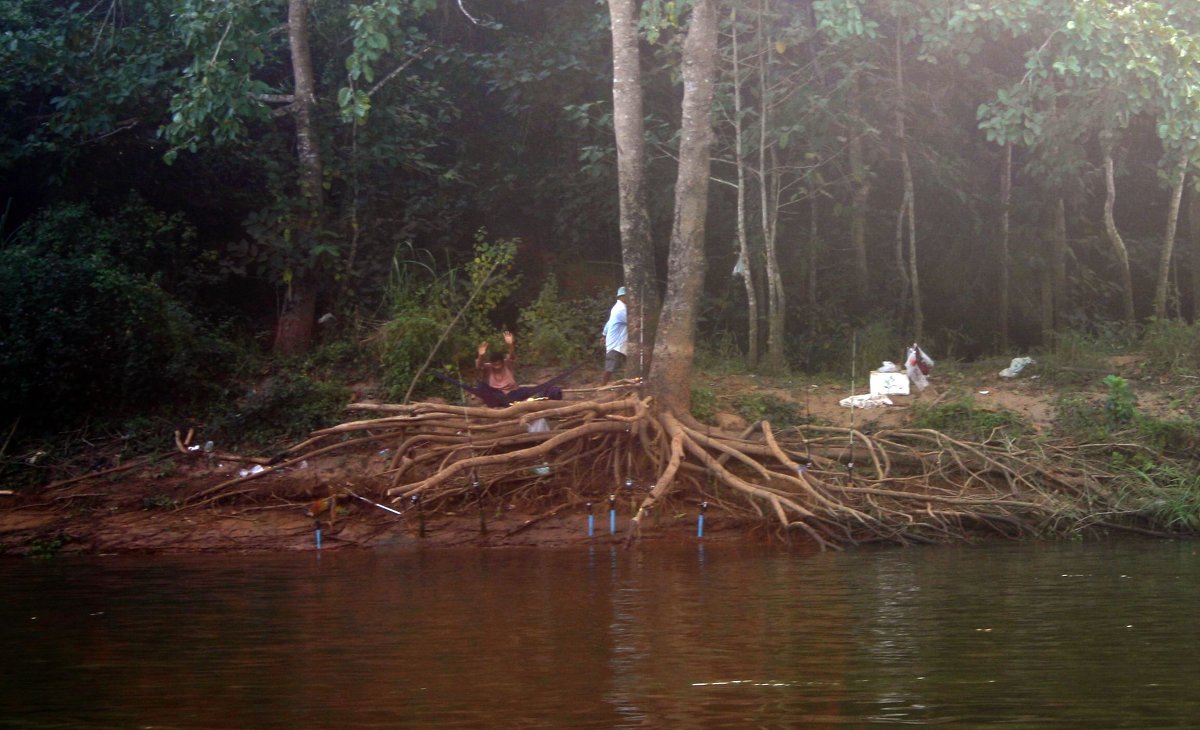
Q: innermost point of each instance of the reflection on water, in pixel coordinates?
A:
(680, 637)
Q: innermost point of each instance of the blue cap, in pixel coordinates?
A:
(621, 292)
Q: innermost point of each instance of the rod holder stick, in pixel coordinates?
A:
(612, 514)
(318, 524)
(700, 522)
(591, 520)
(479, 499)
(416, 500)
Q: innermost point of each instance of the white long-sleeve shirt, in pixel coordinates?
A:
(616, 331)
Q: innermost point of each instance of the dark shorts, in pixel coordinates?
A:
(613, 360)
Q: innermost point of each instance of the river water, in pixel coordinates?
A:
(1096, 635)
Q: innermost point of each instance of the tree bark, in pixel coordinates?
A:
(1059, 264)
(1194, 245)
(861, 183)
(745, 259)
(295, 328)
(769, 194)
(908, 210)
(1168, 249)
(637, 249)
(1005, 256)
(814, 205)
(671, 370)
(1110, 228)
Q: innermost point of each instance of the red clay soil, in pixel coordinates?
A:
(154, 506)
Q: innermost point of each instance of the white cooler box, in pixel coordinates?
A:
(889, 383)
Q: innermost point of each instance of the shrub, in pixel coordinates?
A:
(962, 419)
(557, 331)
(287, 405)
(1172, 347)
(80, 329)
(704, 404)
(766, 407)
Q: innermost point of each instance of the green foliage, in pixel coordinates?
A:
(1165, 491)
(47, 547)
(491, 281)
(288, 405)
(558, 331)
(1176, 436)
(1172, 347)
(963, 419)
(422, 303)
(719, 354)
(85, 324)
(704, 404)
(1121, 405)
(766, 407)
(1079, 419)
(159, 501)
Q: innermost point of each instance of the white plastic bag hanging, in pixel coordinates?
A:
(917, 364)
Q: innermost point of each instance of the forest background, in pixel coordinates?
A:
(239, 210)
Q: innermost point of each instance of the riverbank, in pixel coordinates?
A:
(187, 500)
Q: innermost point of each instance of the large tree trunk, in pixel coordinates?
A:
(745, 259)
(295, 329)
(670, 376)
(1110, 228)
(637, 250)
(1168, 249)
(1005, 257)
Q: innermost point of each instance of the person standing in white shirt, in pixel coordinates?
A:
(616, 337)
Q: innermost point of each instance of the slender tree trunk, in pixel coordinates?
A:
(860, 180)
(745, 260)
(295, 328)
(1005, 256)
(1046, 285)
(1194, 245)
(670, 378)
(908, 206)
(1168, 249)
(1058, 249)
(1110, 228)
(637, 250)
(769, 193)
(814, 204)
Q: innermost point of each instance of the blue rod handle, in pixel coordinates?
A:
(591, 524)
(700, 527)
(318, 538)
(612, 522)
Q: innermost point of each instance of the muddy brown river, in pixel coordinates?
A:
(686, 636)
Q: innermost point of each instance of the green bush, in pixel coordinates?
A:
(83, 332)
(704, 404)
(558, 331)
(1075, 417)
(1172, 347)
(766, 407)
(287, 405)
(962, 419)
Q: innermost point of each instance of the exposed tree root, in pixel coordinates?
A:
(836, 486)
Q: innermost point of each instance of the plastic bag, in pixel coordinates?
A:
(1016, 366)
(918, 364)
(888, 367)
(538, 426)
